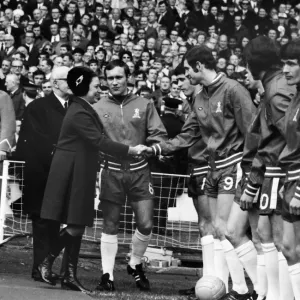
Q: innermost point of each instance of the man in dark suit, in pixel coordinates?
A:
(10, 50)
(12, 83)
(15, 32)
(55, 18)
(205, 19)
(33, 51)
(166, 17)
(149, 31)
(4, 71)
(240, 30)
(248, 15)
(40, 130)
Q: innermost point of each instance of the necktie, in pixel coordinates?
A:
(66, 105)
(153, 87)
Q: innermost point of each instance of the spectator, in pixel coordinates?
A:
(46, 65)
(12, 83)
(46, 87)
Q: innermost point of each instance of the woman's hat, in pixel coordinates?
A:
(79, 79)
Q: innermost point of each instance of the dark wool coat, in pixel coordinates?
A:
(39, 134)
(70, 191)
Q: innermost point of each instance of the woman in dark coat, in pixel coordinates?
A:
(70, 191)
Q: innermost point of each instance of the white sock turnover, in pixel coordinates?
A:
(221, 267)
(286, 290)
(109, 249)
(207, 243)
(248, 257)
(262, 281)
(294, 271)
(272, 270)
(139, 246)
(235, 267)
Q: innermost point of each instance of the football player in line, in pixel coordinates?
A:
(289, 160)
(263, 59)
(222, 113)
(131, 120)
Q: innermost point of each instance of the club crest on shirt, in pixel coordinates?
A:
(136, 114)
(219, 110)
(296, 115)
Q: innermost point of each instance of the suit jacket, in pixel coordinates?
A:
(38, 136)
(7, 123)
(9, 55)
(33, 56)
(70, 191)
(168, 20)
(151, 32)
(46, 27)
(16, 33)
(239, 34)
(204, 21)
(19, 103)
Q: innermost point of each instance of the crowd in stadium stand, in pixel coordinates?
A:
(151, 37)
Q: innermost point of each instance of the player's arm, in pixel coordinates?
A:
(279, 105)
(8, 126)
(86, 129)
(190, 134)
(156, 131)
(251, 143)
(243, 108)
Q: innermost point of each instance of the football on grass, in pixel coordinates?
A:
(210, 288)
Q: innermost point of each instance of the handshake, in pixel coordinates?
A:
(140, 150)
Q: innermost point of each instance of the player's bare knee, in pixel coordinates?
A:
(232, 236)
(145, 227)
(264, 235)
(257, 243)
(206, 226)
(110, 227)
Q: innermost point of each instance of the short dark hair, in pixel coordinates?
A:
(125, 52)
(117, 63)
(261, 53)
(67, 46)
(291, 50)
(138, 72)
(44, 53)
(50, 63)
(144, 89)
(92, 61)
(38, 72)
(201, 54)
(70, 56)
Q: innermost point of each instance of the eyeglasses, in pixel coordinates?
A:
(166, 44)
(117, 44)
(76, 40)
(137, 49)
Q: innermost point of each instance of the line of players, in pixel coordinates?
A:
(253, 170)
(237, 153)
